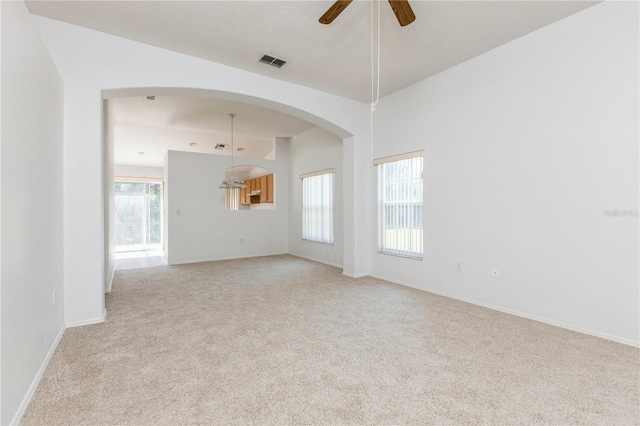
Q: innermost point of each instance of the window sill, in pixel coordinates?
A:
(404, 256)
(319, 242)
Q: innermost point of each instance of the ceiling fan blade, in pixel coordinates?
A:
(403, 11)
(335, 10)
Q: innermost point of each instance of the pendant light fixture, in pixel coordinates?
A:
(231, 181)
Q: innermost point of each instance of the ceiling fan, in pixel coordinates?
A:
(401, 8)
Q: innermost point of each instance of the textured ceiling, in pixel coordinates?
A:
(175, 122)
(334, 58)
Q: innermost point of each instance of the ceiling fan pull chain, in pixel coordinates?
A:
(374, 101)
(372, 57)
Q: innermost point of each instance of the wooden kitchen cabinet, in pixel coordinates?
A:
(263, 189)
(270, 188)
(264, 184)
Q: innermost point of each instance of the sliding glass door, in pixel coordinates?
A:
(138, 208)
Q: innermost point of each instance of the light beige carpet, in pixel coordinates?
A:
(281, 340)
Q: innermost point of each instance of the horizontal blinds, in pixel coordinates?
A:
(318, 173)
(398, 157)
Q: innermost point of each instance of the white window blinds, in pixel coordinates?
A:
(400, 205)
(317, 207)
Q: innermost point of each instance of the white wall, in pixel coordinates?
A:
(526, 146)
(108, 141)
(165, 203)
(31, 216)
(316, 149)
(200, 229)
(91, 62)
(144, 172)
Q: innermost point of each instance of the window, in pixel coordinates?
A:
(138, 215)
(317, 206)
(400, 204)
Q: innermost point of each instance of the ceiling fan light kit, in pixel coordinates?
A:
(401, 8)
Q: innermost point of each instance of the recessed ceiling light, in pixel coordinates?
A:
(240, 149)
(141, 153)
(193, 144)
(151, 97)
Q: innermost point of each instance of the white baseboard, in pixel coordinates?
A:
(606, 336)
(187, 262)
(350, 275)
(335, 265)
(361, 275)
(36, 380)
(89, 321)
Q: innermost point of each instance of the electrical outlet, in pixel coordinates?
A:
(495, 273)
(241, 240)
(458, 266)
(54, 296)
(328, 255)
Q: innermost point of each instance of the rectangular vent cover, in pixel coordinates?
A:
(273, 61)
(221, 146)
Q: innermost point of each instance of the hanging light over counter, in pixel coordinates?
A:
(231, 181)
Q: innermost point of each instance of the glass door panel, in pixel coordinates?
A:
(138, 221)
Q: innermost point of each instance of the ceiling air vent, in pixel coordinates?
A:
(221, 146)
(273, 61)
